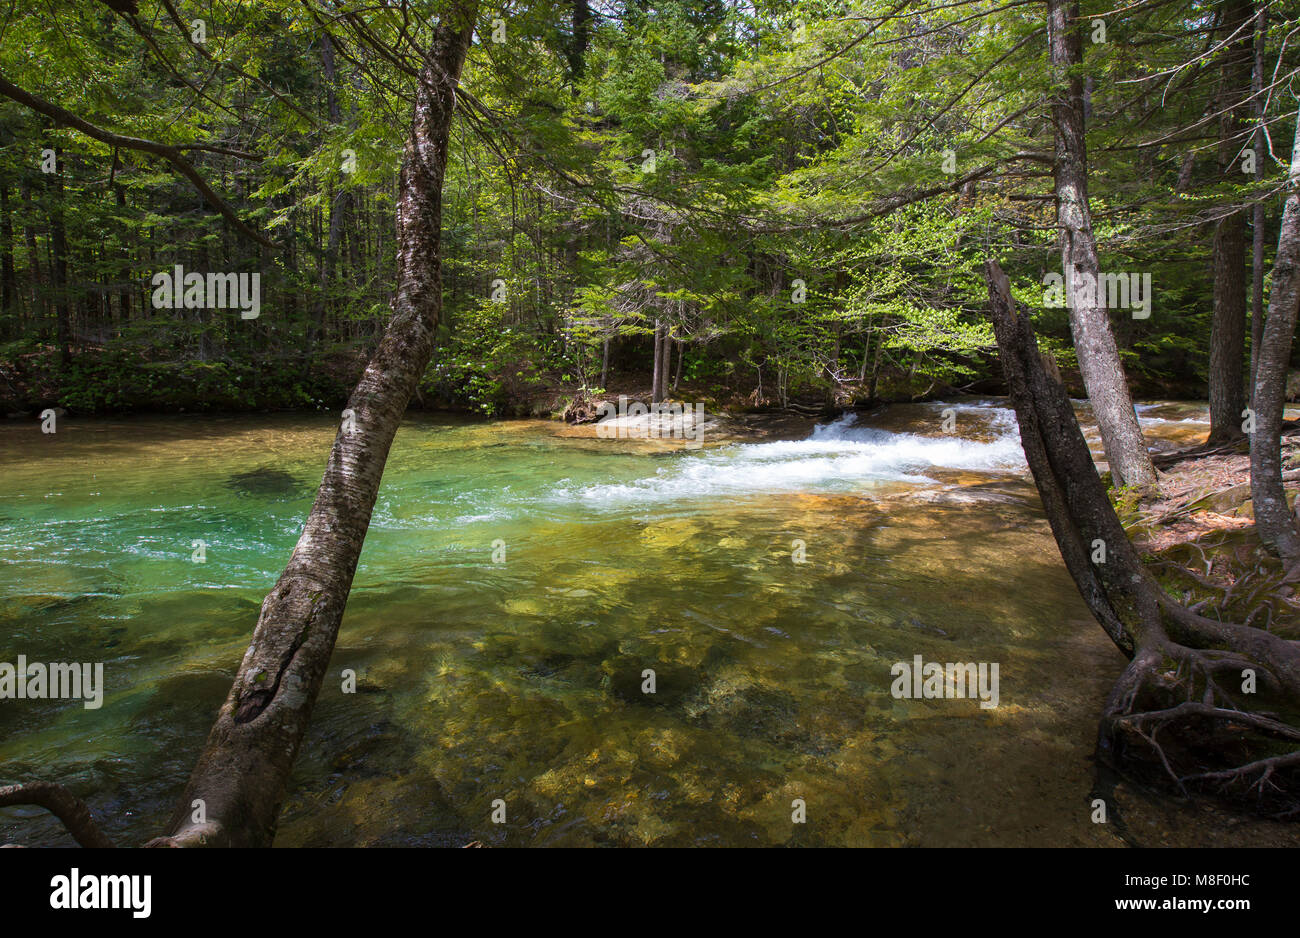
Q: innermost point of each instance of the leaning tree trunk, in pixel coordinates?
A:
(1228, 324)
(1094, 342)
(1273, 519)
(242, 772)
(1181, 664)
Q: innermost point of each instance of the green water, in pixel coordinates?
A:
(519, 678)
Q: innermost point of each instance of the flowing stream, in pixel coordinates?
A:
(517, 581)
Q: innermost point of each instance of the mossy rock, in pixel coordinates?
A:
(1128, 505)
(1225, 501)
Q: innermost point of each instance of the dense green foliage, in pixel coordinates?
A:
(802, 192)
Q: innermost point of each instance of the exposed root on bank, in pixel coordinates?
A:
(1207, 705)
(1239, 445)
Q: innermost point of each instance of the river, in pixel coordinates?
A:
(518, 580)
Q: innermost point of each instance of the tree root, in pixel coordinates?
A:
(1236, 445)
(1175, 716)
(63, 804)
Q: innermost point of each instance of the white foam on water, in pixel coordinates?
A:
(1144, 421)
(837, 456)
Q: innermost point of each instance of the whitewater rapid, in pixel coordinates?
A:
(841, 455)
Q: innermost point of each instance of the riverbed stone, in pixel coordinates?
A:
(673, 682)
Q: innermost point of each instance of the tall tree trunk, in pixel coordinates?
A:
(604, 363)
(666, 367)
(59, 245)
(576, 52)
(1228, 330)
(654, 380)
(317, 313)
(1256, 291)
(1257, 220)
(875, 368)
(1228, 325)
(292, 283)
(202, 317)
(242, 772)
(1175, 654)
(1094, 342)
(124, 271)
(338, 205)
(33, 255)
(7, 286)
(1273, 519)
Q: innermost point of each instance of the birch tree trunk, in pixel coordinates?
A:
(242, 772)
(1094, 342)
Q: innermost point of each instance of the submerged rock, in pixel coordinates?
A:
(265, 480)
(737, 705)
(380, 750)
(673, 683)
(183, 705)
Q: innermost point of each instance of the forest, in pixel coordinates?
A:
(951, 331)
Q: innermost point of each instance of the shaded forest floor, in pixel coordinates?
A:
(1197, 534)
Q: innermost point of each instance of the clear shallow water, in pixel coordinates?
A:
(520, 680)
